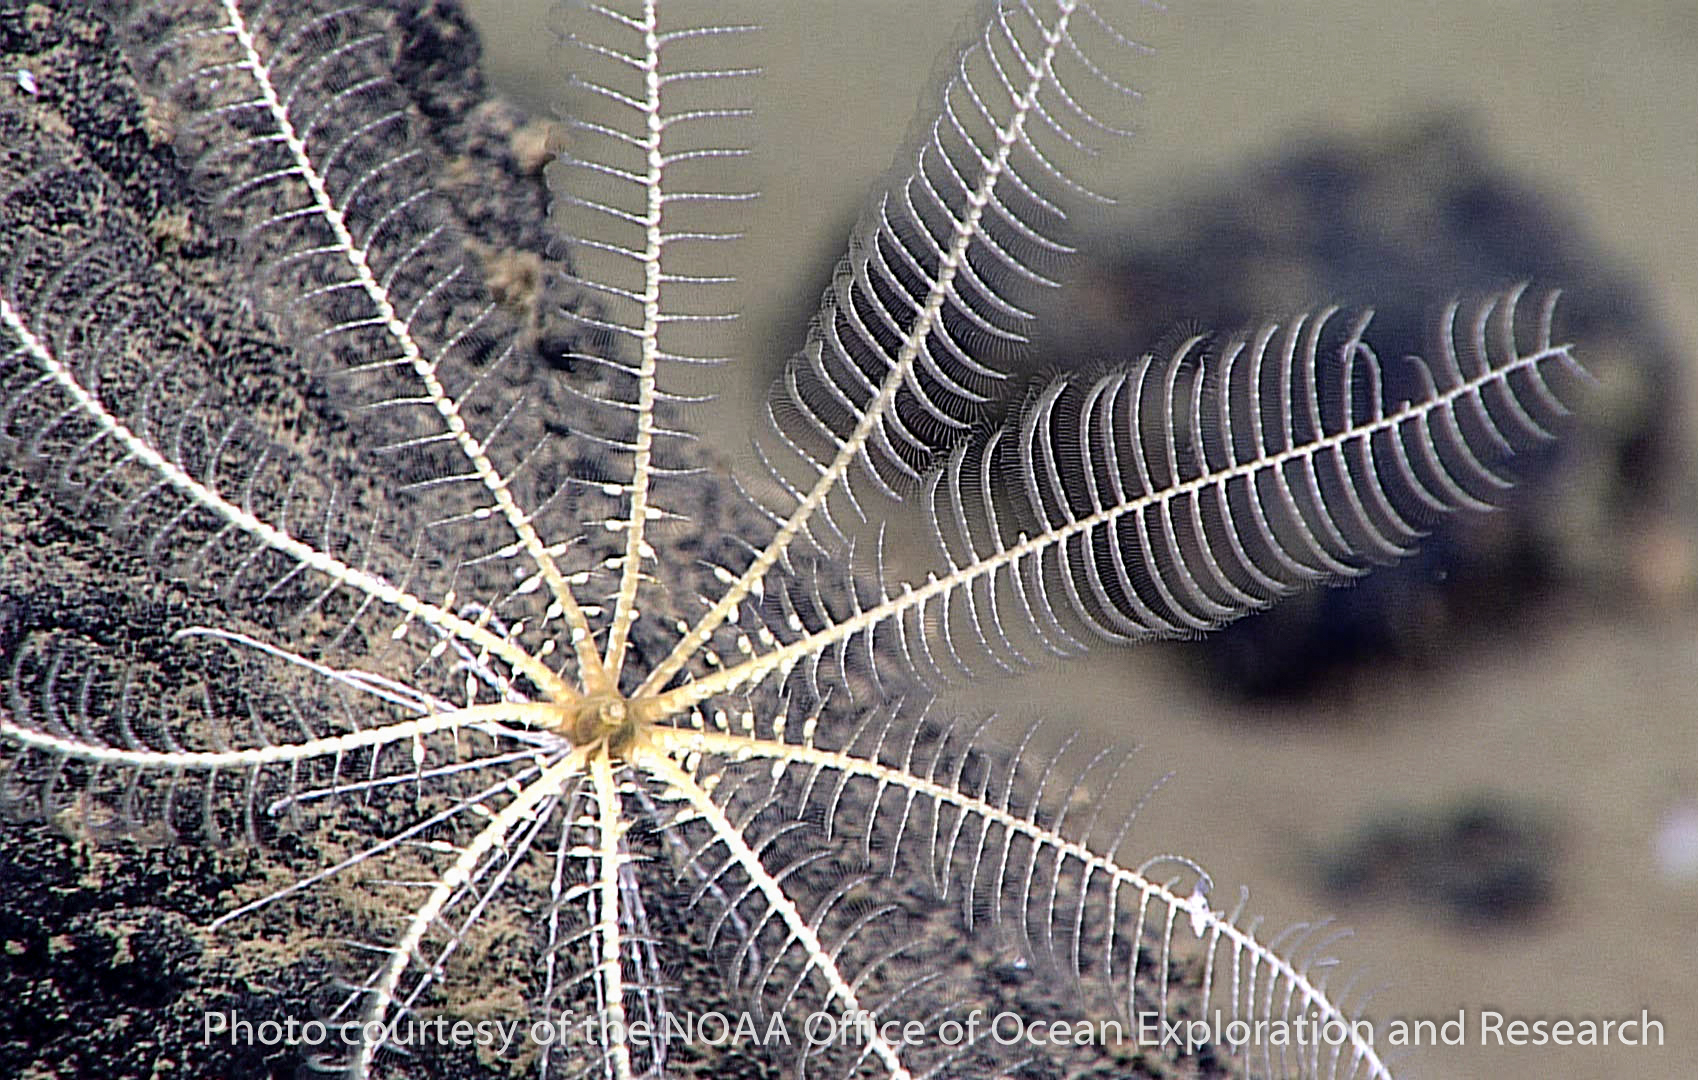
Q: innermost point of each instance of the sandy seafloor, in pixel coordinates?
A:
(1585, 707)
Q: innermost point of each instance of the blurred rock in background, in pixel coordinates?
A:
(1403, 224)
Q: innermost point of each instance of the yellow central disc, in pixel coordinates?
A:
(609, 718)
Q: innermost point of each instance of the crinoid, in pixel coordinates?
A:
(546, 721)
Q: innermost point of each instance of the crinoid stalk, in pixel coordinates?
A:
(544, 711)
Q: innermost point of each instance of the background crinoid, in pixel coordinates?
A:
(378, 568)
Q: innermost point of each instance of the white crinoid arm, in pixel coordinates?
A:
(1174, 494)
(1005, 834)
(642, 202)
(309, 148)
(60, 376)
(904, 351)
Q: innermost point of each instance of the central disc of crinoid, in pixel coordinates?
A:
(606, 717)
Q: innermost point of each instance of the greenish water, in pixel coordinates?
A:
(1593, 102)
